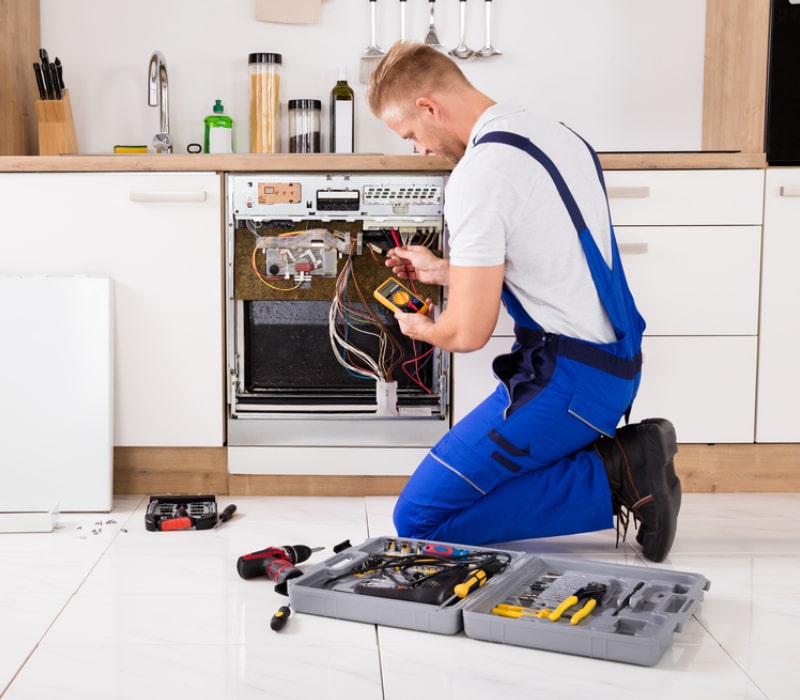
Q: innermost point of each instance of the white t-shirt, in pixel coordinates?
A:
(502, 207)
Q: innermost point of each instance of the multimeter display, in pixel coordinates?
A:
(395, 296)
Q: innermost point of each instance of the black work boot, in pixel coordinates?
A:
(641, 471)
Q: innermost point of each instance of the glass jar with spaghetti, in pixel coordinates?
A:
(265, 83)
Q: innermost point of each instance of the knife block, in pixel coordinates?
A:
(56, 126)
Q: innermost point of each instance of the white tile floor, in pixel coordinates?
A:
(126, 613)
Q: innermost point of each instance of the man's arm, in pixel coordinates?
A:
(467, 322)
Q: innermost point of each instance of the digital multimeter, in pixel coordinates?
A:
(393, 295)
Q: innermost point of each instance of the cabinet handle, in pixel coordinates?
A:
(161, 196)
(633, 248)
(790, 190)
(628, 192)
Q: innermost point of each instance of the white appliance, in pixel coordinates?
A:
(56, 392)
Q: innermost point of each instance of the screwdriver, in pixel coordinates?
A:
(280, 618)
(517, 611)
(477, 578)
(226, 515)
(181, 520)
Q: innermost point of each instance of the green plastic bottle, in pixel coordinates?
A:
(219, 131)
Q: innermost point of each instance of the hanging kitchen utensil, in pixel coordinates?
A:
(372, 55)
(462, 50)
(402, 20)
(432, 38)
(488, 49)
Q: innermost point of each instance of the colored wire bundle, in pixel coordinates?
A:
(347, 320)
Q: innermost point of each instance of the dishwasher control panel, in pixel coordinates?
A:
(265, 197)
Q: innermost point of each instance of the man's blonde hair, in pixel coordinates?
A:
(408, 71)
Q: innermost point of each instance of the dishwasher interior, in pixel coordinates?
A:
(313, 358)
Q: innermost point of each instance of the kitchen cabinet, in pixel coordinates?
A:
(157, 236)
(778, 377)
(690, 242)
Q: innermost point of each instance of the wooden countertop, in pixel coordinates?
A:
(289, 162)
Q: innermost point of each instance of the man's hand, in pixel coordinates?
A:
(415, 326)
(466, 324)
(416, 262)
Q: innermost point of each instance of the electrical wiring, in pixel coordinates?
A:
(264, 281)
(358, 318)
(421, 578)
(414, 377)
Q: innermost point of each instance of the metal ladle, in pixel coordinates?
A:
(489, 50)
(462, 50)
(432, 38)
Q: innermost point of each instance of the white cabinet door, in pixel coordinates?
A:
(685, 197)
(694, 280)
(705, 385)
(157, 235)
(778, 375)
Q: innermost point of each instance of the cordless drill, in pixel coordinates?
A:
(276, 563)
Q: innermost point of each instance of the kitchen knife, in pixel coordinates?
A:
(59, 72)
(37, 69)
(56, 83)
(48, 79)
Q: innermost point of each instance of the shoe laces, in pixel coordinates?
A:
(623, 515)
(623, 509)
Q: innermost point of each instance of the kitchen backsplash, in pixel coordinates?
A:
(628, 74)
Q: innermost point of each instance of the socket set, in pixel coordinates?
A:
(165, 513)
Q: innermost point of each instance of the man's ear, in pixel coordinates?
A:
(429, 106)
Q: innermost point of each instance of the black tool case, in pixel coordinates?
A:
(201, 510)
(633, 620)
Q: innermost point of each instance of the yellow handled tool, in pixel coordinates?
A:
(517, 611)
(593, 591)
(477, 578)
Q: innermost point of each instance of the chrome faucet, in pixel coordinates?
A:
(158, 96)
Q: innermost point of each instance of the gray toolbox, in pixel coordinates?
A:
(620, 613)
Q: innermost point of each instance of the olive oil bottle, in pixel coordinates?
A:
(342, 116)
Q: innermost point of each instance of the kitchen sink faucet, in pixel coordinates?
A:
(158, 95)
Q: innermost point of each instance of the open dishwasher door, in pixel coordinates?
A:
(321, 381)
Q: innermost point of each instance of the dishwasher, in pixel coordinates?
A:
(320, 379)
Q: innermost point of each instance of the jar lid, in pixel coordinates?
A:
(305, 104)
(265, 58)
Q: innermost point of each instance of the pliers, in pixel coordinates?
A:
(593, 591)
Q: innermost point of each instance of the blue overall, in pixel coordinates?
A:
(521, 464)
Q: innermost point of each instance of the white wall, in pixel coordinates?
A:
(628, 74)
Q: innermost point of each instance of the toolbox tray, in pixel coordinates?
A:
(310, 593)
(633, 622)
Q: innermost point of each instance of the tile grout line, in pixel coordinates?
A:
(64, 607)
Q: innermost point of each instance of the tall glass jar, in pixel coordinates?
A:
(304, 126)
(265, 84)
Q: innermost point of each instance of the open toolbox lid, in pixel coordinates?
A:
(636, 609)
